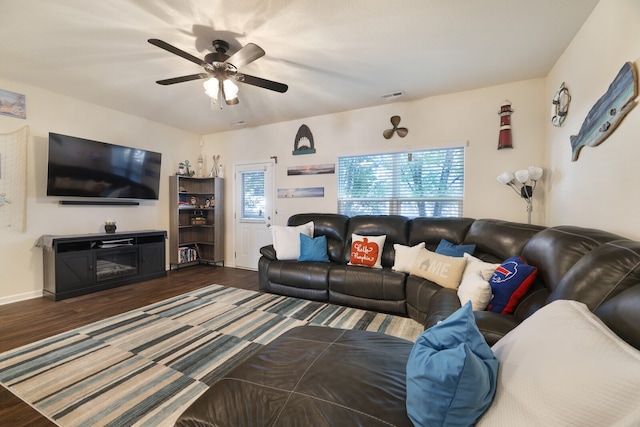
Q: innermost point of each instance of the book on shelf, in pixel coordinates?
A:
(187, 254)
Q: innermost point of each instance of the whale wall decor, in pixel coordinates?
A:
(608, 112)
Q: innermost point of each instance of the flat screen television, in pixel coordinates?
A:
(84, 168)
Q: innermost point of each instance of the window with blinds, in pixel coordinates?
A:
(252, 198)
(412, 184)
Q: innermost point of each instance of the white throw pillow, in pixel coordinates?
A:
(405, 257)
(474, 285)
(475, 265)
(474, 288)
(286, 240)
(564, 367)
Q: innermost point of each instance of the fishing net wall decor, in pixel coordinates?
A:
(13, 179)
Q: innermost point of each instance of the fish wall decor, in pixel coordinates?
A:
(608, 112)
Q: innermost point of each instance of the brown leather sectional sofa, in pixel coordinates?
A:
(582, 264)
(328, 377)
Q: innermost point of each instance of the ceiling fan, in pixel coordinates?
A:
(221, 69)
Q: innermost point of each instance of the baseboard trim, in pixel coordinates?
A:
(20, 297)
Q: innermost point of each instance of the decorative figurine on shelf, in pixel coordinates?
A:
(214, 169)
(200, 166)
(110, 226)
(188, 171)
(504, 140)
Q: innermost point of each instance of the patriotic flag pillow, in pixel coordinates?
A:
(509, 283)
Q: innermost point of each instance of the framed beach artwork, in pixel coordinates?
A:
(289, 193)
(13, 104)
(312, 169)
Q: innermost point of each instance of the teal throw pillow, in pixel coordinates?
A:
(447, 248)
(451, 373)
(313, 249)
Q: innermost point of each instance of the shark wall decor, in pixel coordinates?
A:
(608, 112)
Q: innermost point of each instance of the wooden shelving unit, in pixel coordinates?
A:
(196, 235)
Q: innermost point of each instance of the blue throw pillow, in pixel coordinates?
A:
(451, 373)
(313, 249)
(447, 248)
(509, 283)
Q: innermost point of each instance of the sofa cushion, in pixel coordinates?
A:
(313, 248)
(372, 289)
(601, 274)
(564, 366)
(367, 250)
(511, 280)
(432, 230)
(299, 279)
(444, 270)
(555, 250)
(406, 257)
(445, 247)
(497, 240)
(286, 240)
(451, 373)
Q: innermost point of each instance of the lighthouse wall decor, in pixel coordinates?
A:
(504, 139)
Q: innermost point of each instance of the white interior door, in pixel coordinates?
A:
(254, 209)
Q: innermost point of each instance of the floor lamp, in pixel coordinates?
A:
(523, 183)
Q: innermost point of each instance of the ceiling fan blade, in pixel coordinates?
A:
(175, 80)
(388, 133)
(264, 83)
(166, 46)
(402, 132)
(249, 53)
(395, 121)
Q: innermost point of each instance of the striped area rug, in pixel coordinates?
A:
(144, 367)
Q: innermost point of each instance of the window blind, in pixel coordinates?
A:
(417, 183)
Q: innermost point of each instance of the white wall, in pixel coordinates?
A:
(600, 189)
(20, 263)
(439, 121)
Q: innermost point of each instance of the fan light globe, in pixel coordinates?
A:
(522, 176)
(535, 173)
(211, 87)
(230, 90)
(506, 178)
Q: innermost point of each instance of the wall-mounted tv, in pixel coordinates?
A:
(84, 168)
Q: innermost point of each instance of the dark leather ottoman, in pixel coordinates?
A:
(312, 376)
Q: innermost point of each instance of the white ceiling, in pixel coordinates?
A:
(335, 55)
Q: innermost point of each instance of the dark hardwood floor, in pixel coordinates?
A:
(27, 321)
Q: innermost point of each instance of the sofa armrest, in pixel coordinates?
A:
(494, 325)
(443, 303)
(269, 252)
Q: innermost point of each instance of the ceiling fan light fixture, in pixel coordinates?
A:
(218, 90)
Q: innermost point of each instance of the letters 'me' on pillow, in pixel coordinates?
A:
(286, 240)
(509, 283)
(445, 247)
(443, 270)
(313, 249)
(563, 366)
(406, 257)
(367, 250)
(451, 373)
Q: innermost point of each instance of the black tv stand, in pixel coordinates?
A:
(81, 264)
